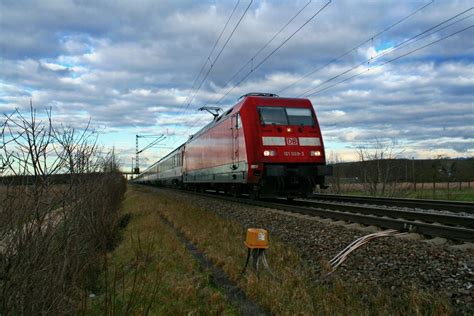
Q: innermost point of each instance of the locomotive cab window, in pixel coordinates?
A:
(285, 116)
(273, 115)
(300, 116)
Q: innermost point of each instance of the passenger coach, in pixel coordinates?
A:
(264, 145)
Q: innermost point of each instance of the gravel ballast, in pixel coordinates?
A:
(393, 263)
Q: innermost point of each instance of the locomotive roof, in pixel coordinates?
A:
(236, 107)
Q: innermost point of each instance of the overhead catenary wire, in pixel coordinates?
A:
(400, 45)
(261, 49)
(149, 146)
(208, 59)
(153, 143)
(252, 59)
(392, 49)
(371, 38)
(391, 60)
(274, 50)
(219, 54)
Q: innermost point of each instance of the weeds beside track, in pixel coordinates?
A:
(221, 240)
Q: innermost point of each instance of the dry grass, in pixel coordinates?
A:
(222, 242)
(151, 271)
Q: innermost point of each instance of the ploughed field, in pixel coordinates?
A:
(395, 275)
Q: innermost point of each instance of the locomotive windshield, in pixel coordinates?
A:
(285, 116)
(273, 115)
(299, 116)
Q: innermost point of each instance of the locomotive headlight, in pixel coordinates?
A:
(289, 129)
(269, 153)
(315, 153)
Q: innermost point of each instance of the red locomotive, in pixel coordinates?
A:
(264, 146)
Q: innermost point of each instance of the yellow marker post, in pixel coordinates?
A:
(257, 238)
(256, 242)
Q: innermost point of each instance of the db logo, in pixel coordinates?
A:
(292, 141)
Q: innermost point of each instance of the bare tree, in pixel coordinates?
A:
(379, 174)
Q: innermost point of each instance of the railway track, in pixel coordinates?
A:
(466, 207)
(454, 227)
(436, 225)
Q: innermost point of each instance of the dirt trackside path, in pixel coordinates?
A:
(152, 272)
(219, 278)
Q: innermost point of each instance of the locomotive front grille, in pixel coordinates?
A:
(282, 170)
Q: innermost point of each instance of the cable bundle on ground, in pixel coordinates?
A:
(342, 256)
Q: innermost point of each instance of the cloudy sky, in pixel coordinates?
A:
(132, 67)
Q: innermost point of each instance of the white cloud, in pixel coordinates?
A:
(132, 65)
(53, 66)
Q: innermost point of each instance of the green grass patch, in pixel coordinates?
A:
(464, 194)
(151, 272)
(222, 241)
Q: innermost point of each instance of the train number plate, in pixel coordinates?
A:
(293, 154)
(291, 141)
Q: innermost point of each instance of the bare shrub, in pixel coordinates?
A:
(58, 213)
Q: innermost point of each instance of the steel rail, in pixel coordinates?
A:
(452, 206)
(445, 219)
(430, 229)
